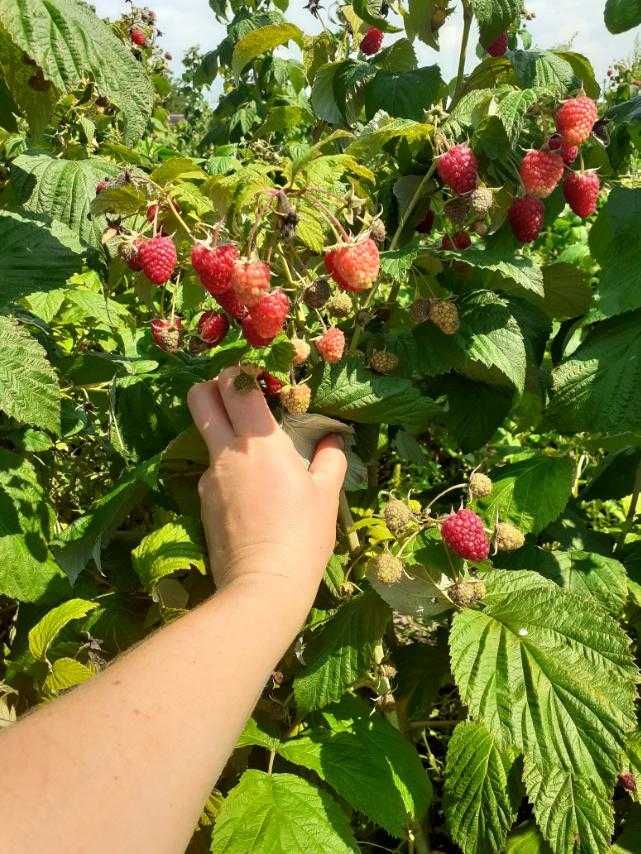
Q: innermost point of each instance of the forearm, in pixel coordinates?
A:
(126, 762)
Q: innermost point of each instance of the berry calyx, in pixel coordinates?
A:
(138, 37)
(458, 168)
(296, 398)
(386, 569)
(575, 119)
(167, 333)
(463, 532)
(331, 345)
(371, 41)
(526, 217)
(507, 537)
(480, 485)
(398, 517)
(383, 362)
(581, 191)
(427, 223)
(541, 172)
(250, 280)
(444, 315)
(498, 47)
(354, 266)
(269, 313)
(214, 266)
(461, 240)
(158, 259)
(213, 327)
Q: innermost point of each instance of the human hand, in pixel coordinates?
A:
(266, 516)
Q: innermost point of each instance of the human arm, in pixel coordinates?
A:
(125, 762)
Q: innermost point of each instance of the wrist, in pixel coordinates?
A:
(290, 599)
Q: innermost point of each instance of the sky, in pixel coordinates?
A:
(578, 23)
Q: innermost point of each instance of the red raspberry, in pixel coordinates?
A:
(252, 335)
(167, 333)
(540, 172)
(212, 327)
(152, 211)
(214, 266)
(138, 37)
(575, 119)
(269, 384)
(269, 313)
(132, 255)
(526, 217)
(464, 534)
(101, 185)
(232, 305)
(354, 266)
(581, 191)
(569, 153)
(499, 46)
(250, 280)
(555, 142)
(331, 345)
(158, 259)
(461, 240)
(372, 41)
(427, 223)
(628, 781)
(457, 168)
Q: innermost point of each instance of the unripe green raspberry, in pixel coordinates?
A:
(480, 485)
(458, 209)
(398, 517)
(386, 569)
(302, 349)
(244, 383)
(296, 398)
(466, 593)
(444, 315)
(481, 200)
(507, 537)
(420, 311)
(377, 230)
(383, 362)
(340, 304)
(317, 294)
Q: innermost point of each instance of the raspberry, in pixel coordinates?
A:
(214, 266)
(466, 593)
(499, 46)
(383, 362)
(575, 119)
(526, 217)
(480, 485)
(212, 327)
(444, 315)
(301, 350)
(317, 294)
(427, 223)
(555, 142)
(354, 266)
(167, 333)
(252, 335)
(569, 153)
(152, 211)
(420, 311)
(377, 231)
(540, 172)
(458, 209)
(507, 537)
(398, 517)
(102, 185)
(270, 385)
(628, 781)
(461, 240)
(386, 569)
(331, 345)
(158, 259)
(457, 168)
(245, 382)
(481, 201)
(232, 305)
(464, 534)
(131, 254)
(581, 191)
(372, 41)
(138, 37)
(269, 313)
(340, 305)
(250, 280)
(296, 398)
(480, 228)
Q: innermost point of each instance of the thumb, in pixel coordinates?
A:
(329, 464)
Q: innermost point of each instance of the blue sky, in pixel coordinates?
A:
(558, 22)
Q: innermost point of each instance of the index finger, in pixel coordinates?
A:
(210, 417)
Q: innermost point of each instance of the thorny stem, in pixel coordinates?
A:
(445, 492)
(632, 510)
(346, 520)
(467, 23)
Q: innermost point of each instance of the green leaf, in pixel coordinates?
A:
(280, 813)
(66, 673)
(368, 762)
(34, 258)
(404, 94)
(513, 108)
(614, 478)
(614, 246)
(501, 259)
(262, 40)
(370, 12)
(378, 133)
(47, 629)
(350, 391)
(71, 45)
(29, 390)
(628, 841)
(567, 291)
(126, 200)
(583, 70)
(482, 788)
(474, 410)
(539, 661)
(340, 651)
(494, 16)
(596, 388)
(177, 545)
(177, 167)
(622, 15)
(632, 762)
(544, 69)
(420, 593)
(527, 839)
(323, 97)
(61, 189)
(532, 492)
(399, 56)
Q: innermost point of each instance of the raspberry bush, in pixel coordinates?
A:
(448, 272)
